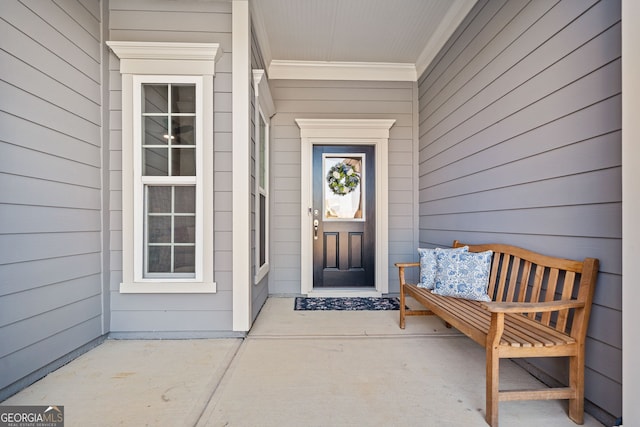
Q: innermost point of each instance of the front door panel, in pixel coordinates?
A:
(343, 216)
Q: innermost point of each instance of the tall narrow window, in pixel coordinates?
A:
(169, 153)
(264, 110)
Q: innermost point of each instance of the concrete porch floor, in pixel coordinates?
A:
(295, 368)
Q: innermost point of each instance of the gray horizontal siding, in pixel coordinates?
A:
(164, 20)
(44, 272)
(337, 99)
(50, 184)
(176, 315)
(47, 350)
(520, 136)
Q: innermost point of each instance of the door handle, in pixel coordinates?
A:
(315, 229)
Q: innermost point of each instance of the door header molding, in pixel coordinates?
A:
(345, 128)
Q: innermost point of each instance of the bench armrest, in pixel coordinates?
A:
(407, 264)
(530, 307)
(401, 266)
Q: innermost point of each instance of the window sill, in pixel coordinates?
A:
(152, 287)
(262, 272)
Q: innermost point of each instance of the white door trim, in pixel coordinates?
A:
(345, 132)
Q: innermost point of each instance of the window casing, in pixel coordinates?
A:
(167, 166)
(264, 109)
(262, 196)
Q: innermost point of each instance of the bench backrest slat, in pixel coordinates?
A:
(513, 280)
(502, 284)
(550, 293)
(536, 287)
(526, 271)
(495, 263)
(567, 289)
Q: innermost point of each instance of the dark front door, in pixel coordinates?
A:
(343, 216)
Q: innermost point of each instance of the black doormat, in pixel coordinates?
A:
(347, 303)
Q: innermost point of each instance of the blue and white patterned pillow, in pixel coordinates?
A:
(428, 265)
(463, 274)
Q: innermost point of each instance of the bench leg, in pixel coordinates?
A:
(402, 306)
(493, 384)
(576, 382)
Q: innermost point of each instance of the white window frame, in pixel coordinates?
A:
(264, 109)
(141, 181)
(152, 62)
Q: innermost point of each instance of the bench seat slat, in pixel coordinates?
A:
(547, 332)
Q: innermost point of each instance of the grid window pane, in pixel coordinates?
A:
(263, 230)
(263, 170)
(155, 131)
(183, 162)
(185, 259)
(168, 119)
(159, 229)
(155, 161)
(170, 229)
(185, 229)
(159, 199)
(156, 98)
(185, 199)
(183, 98)
(159, 259)
(183, 130)
(261, 199)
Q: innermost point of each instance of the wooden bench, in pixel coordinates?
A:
(540, 308)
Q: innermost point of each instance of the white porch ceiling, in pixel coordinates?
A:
(394, 39)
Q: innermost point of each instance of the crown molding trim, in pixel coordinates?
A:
(263, 92)
(449, 24)
(321, 70)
